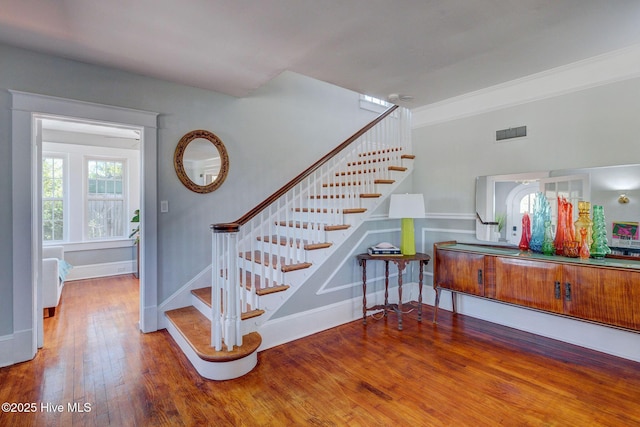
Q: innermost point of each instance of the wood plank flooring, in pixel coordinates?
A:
(461, 372)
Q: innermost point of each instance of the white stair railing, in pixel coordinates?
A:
(252, 255)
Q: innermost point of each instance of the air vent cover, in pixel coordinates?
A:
(511, 133)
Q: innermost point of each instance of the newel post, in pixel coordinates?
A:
(225, 298)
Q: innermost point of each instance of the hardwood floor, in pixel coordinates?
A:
(461, 372)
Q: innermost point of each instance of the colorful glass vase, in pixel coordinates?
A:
(541, 214)
(599, 248)
(585, 222)
(561, 228)
(548, 245)
(584, 245)
(571, 234)
(526, 232)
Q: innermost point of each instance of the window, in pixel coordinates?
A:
(53, 198)
(527, 202)
(373, 104)
(105, 199)
(88, 194)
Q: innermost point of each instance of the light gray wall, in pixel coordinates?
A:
(271, 136)
(592, 127)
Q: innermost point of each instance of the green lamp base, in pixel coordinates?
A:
(407, 237)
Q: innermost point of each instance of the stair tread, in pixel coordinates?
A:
(196, 330)
(344, 196)
(262, 286)
(366, 162)
(355, 172)
(380, 151)
(283, 241)
(344, 184)
(204, 295)
(354, 210)
(305, 225)
(271, 260)
(325, 210)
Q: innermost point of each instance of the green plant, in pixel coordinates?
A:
(136, 231)
(501, 219)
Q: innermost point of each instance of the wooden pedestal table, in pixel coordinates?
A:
(401, 262)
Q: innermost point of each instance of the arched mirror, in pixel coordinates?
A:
(201, 161)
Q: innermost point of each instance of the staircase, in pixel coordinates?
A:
(272, 249)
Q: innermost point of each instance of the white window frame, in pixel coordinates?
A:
(65, 195)
(86, 197)
(374, 104)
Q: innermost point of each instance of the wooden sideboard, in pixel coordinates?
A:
(605, 291)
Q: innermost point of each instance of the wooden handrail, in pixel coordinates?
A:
(295, 181)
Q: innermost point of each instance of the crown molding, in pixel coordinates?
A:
(600, 70)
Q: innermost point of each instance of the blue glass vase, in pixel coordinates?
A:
(541, 214)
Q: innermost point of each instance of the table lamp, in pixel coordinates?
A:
(407, 207)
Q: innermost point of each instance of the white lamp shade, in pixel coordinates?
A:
(406, 206)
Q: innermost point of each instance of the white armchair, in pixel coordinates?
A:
(52, 283)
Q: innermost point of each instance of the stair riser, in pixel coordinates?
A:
(248, 325)
(351, 189)
(211, 370)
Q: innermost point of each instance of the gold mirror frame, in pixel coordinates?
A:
(178, 161)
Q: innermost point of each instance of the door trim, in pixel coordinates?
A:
(27, 236)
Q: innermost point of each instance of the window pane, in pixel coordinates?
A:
(106, 199)
(105, 218)
(52, 198)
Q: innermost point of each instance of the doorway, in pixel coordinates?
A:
(27, 252)
(90, 188)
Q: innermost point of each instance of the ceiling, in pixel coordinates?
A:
(430, 50)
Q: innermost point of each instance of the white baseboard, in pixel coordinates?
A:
(6, 350)
(613, 341)
(16, 348)
(100, 270)
(604, 339)
(286, 329)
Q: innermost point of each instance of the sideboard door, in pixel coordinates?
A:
(602, 295)
(460, 271)
(529, 283)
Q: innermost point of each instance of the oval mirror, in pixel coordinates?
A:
(201, 161)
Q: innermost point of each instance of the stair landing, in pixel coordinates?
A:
(196, 330)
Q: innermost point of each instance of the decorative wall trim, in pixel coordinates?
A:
(448, 230)
(451, 215)
(600, 70)
(431, 215)
(324, 288)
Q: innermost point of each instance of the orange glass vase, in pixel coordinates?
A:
(526, 232)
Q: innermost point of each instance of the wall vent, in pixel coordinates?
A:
(511, 133)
